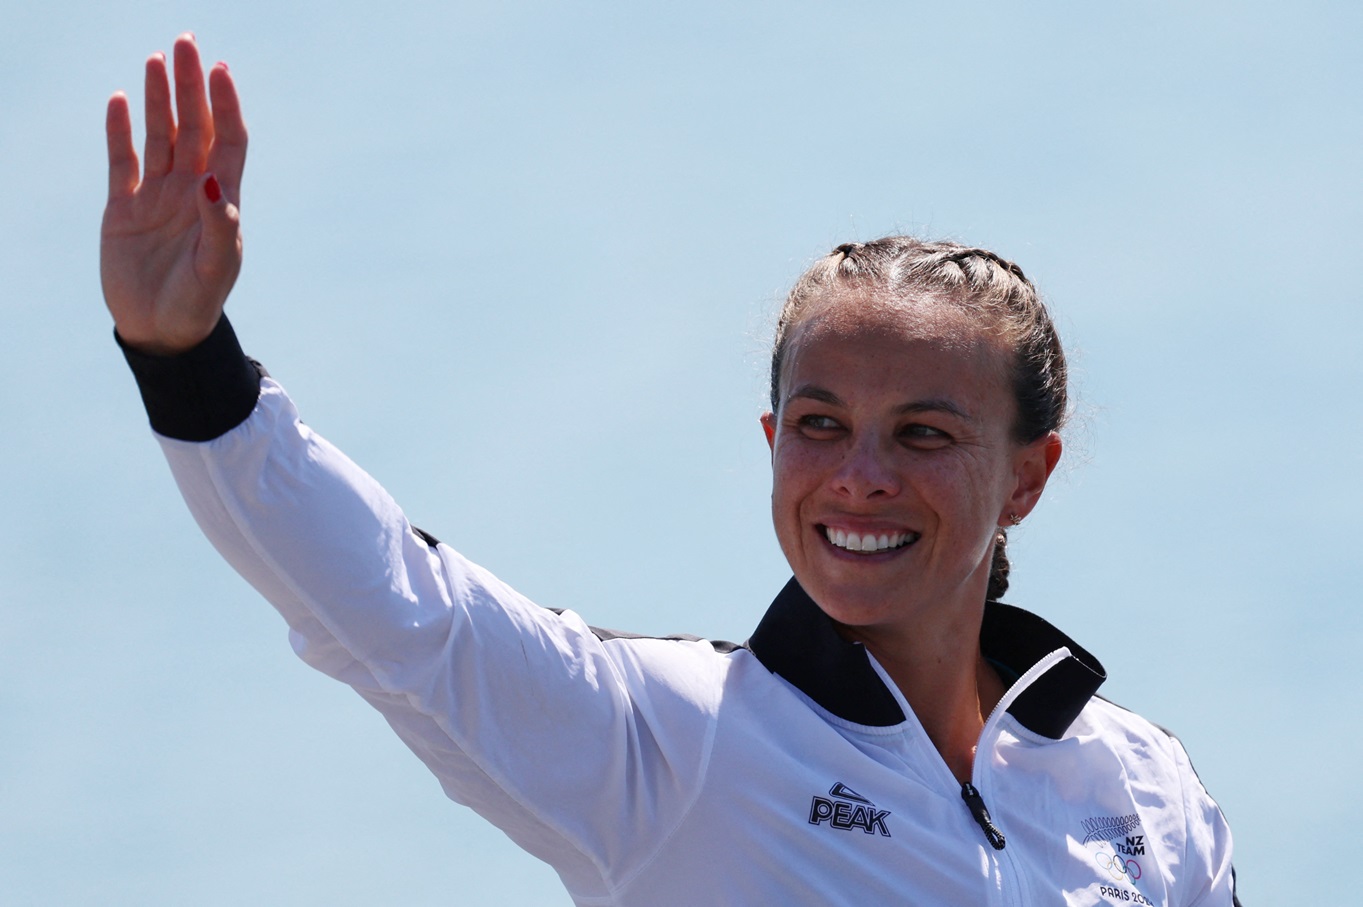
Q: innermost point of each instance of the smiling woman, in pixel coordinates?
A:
(993, 297)
(917, 389)
(916, 393)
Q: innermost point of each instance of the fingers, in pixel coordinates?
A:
(195, 133)
(118, 131)
(205, 137)
(158, 152)
(228, 157)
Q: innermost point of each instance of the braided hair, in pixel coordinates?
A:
(993, 289)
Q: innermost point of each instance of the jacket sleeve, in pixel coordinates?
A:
(584, 752)
(1208, 848)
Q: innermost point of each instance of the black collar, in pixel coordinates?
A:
(799, 642)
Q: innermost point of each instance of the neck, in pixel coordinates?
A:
(945, 679)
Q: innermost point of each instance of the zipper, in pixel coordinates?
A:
(1013, 882)
(975, 802)
(969, 793)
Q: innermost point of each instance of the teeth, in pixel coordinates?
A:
(853, 541)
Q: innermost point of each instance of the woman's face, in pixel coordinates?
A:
(893, 460)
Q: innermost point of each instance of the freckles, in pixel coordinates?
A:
(954, 486)
(794, 459)
(942, 477)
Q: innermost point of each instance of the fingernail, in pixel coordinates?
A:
(223, 65)
(211, 189)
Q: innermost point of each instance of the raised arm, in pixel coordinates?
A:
(170, 243)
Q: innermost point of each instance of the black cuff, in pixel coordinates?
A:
(200, 394)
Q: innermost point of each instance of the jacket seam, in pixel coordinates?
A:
(711, 730)
(318, 614)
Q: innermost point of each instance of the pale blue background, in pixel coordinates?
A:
(520, 261)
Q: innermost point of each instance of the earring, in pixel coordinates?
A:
(1014, 518)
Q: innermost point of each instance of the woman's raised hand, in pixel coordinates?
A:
(170, 244)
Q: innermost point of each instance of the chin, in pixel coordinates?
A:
(856, 605)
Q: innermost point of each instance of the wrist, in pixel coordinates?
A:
(198, 393)
(162, 346)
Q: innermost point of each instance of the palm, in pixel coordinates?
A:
(168, 253)
(148, 251)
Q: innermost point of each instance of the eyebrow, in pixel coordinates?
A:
(931, 405)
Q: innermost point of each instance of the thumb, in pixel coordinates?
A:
(219, 255)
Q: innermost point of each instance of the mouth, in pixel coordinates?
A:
(869, 542)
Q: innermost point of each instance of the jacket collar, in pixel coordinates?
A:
(796, 640)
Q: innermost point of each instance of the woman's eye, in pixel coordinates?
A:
(819, 425)
(925, 436)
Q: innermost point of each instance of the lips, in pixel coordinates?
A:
(869, 542)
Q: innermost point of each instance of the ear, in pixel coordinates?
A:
(769, 429)
(1032, 467)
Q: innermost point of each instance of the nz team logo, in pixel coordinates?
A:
(845, 809)
(1118, 850)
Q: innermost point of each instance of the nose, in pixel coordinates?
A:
(867, 471)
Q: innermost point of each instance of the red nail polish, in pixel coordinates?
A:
(212, 189)
(223, 65)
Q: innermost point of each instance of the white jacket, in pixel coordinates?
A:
(654, 772)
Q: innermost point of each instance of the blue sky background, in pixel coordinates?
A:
(520, 260)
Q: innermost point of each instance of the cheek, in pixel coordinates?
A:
(796, 475)
(799, 468)
(959, 489)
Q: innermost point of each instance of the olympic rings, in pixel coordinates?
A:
(1117, 867)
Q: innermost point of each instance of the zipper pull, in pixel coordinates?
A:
(972, 799)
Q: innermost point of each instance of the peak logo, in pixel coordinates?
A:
(845, 809)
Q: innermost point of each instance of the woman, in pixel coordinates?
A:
(889, 734)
